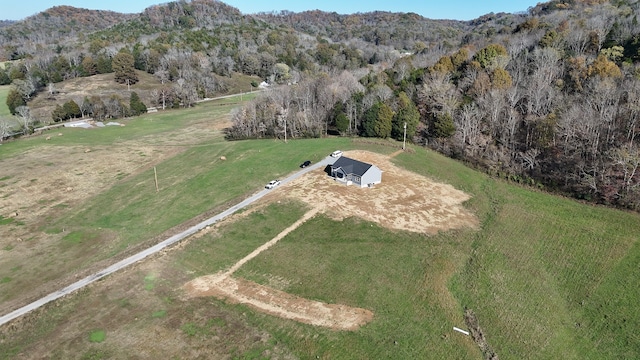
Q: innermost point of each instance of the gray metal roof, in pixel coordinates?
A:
(351, 166)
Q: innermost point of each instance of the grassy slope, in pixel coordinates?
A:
(5, 115)
(188, 184)
(547, 277)
(538, 272)
(4, 109)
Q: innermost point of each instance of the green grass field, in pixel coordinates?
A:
(547, 277)
(5, 114)
(4, 109)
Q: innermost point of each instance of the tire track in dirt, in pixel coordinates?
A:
(276, 302)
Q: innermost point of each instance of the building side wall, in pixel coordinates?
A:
(372, 176)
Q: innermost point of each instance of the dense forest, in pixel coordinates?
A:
(549, 97)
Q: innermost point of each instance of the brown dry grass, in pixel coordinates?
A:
(45, 182)
(102, 85)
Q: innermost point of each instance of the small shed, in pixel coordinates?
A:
(351, 171)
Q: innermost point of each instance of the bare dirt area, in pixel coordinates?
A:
(403, 201)
(279, 303)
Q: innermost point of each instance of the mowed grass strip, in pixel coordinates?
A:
(535, 268)
(225, 246)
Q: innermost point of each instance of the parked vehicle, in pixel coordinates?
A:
(305, 164)
(272, 184)
(336, 154)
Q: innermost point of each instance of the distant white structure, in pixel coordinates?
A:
(88, 125)
(79, 124)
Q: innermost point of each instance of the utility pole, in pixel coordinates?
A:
(285, 130)
(163, 92)
(404, 139)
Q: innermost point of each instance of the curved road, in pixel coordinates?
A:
(154, 249)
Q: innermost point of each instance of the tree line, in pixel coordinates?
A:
(189, 46)
(553, 102)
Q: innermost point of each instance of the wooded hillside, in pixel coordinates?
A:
(548, 98)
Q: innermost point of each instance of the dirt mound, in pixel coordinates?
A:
(279, 303)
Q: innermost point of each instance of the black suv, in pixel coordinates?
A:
(305, 164)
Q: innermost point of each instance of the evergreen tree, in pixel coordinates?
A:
(16, 72)
(377, 121)
(368, 121)
(138, 57)
(407, 114)
(339, 118)
(443, 126)
(123, 67)
(4, 77)
(383, 124)
(58, 114)
(103, 64)
(342, 122)
(14, 100)
(136, 106)
(72, 109)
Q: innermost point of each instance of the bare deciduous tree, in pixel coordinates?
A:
(627, 158)
(467, 122)
(5, 129)
(540, 89)
(440, 93)
(25, 119)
